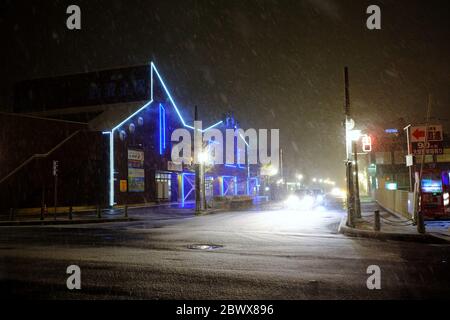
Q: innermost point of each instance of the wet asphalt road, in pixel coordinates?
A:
(269, 253)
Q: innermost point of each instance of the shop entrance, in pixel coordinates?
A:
(163, 186)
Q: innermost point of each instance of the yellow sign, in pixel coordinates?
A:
(123, 185)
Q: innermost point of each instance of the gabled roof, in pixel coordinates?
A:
(114, 117)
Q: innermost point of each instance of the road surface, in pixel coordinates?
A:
(268, 253)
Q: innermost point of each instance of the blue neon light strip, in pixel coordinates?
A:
(162, 129)
(183, 196)
(175, 105)
(182, 189)
(223, 185)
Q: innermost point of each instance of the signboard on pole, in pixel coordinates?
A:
(427, 141)
(431, 148)
(123, 185)
(434, 133)
(409, 160)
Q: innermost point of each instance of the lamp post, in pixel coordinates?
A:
(203, 159)
(198, 168)
(349, 125)
(300, 179)
(357, 199)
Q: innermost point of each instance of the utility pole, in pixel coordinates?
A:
(348, 162)
(417, 212)
(203, 178)
(282, 171)
(407, 129)
(357, 200)
(199, 171)
(55, 193)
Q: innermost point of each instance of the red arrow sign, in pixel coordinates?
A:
(418, 134)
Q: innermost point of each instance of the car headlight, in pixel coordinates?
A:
(307, 201)
(292, 200)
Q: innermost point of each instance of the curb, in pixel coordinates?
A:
(208, 212)
(84, 209)
(62, 222)
(380, 235)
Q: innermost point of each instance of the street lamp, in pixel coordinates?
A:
(354, 135)
(203, 157)
(272, 171)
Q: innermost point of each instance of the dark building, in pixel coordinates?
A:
(109, 132)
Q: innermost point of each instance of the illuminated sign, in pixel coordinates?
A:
(123, 185)
(431, 186)
(434, 133)
(136, 172)
(391, 185)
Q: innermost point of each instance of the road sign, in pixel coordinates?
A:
(432, 148)
(434, 133)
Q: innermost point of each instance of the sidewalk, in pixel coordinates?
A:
(394, 227)
(159, 211)
(80, 217)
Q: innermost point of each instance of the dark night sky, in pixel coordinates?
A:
(276, 64)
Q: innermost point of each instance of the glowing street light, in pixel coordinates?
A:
(203, 157)
(272, 171)
(300, 177)
(354, 135)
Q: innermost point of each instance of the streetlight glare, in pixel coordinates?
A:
(203, 157)
(273, 171)
(354, 135)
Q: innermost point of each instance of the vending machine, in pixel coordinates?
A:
(434, 194)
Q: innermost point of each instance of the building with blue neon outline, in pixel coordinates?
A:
(134, 121)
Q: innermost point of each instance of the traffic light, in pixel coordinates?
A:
(367, 143)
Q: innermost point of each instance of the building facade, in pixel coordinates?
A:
(110, 135)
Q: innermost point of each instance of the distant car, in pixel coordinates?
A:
(305, 199)
(319, 197)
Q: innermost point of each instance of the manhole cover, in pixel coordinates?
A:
(204, 246)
